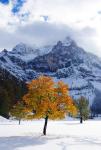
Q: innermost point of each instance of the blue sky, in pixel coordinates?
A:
(42, 22)
(4, 1)
(16, 5)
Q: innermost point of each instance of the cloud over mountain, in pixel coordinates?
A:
(39, 22)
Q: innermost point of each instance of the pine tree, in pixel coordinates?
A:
(82, 105)
(11, 90)
(4, 103)
(47, 99)
(18, 111)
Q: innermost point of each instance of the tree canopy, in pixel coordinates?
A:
(82, 105)
(47, 99)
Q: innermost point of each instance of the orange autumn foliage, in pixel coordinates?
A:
(47, 98)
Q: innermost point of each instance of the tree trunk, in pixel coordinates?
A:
(45, 125)
(19, 121)
(81, 120)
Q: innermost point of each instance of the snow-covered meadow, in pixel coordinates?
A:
(61, 135)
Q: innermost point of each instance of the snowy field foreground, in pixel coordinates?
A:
(61, 135)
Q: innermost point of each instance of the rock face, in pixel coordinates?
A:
(65, 60)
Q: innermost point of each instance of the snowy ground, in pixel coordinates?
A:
(61, 135)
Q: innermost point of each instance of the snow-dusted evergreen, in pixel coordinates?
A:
(65, 60)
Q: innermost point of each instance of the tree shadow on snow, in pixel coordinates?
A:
(78, 141)
(13, 142)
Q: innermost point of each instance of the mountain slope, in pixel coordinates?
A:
(65, 60)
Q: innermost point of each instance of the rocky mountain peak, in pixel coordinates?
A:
(66, 46)
(68, 41)
(23, 48)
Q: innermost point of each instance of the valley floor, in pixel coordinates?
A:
(61, 135)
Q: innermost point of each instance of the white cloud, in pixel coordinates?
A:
(79, 18)
(39, 33)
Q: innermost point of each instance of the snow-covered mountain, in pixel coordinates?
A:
(65, 60)
(16, 61)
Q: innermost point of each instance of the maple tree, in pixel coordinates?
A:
(47, 99)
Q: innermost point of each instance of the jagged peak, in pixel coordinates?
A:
(68, 41)
(3, 52)
(23, 48)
